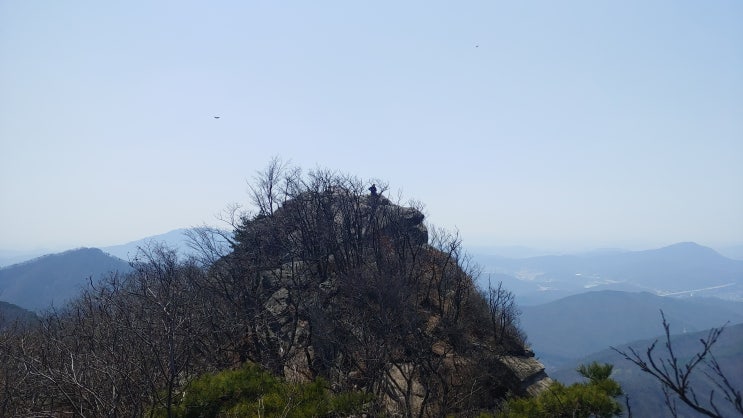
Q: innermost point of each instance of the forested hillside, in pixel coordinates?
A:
(326, 281)
(573, 327)
(10, 314)
(54, 279)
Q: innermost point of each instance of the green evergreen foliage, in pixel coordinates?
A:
(252, 391)
(595, 398)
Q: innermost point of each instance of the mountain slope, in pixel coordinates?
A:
(646, 397)
(10, 313)
(54, 278)
(577, 325)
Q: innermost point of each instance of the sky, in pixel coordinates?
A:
(562, 125)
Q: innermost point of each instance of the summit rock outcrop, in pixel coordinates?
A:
(351, 287)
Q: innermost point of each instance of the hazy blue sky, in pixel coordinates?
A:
(557, 124)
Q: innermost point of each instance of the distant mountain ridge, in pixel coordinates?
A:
(575, 326)
(54, 278)
(176, 239)
(645, 393)
(10, 257)
(38, 283)
(683, 269)
(732, 251)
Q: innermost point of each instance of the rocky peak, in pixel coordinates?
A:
(347, 286)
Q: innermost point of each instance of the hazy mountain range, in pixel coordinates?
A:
(684, 269)
(55, 278)
(573, 305)
(176, 238)
(52, 279)
(567, 329)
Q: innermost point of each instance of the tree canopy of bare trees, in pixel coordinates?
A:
(323, 279)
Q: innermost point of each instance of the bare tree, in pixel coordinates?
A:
(676, 376)
(76, 361)
(209, 244)
(503, 314)
(265, 192)
(124, 347)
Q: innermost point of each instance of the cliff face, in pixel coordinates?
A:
(350, 287)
